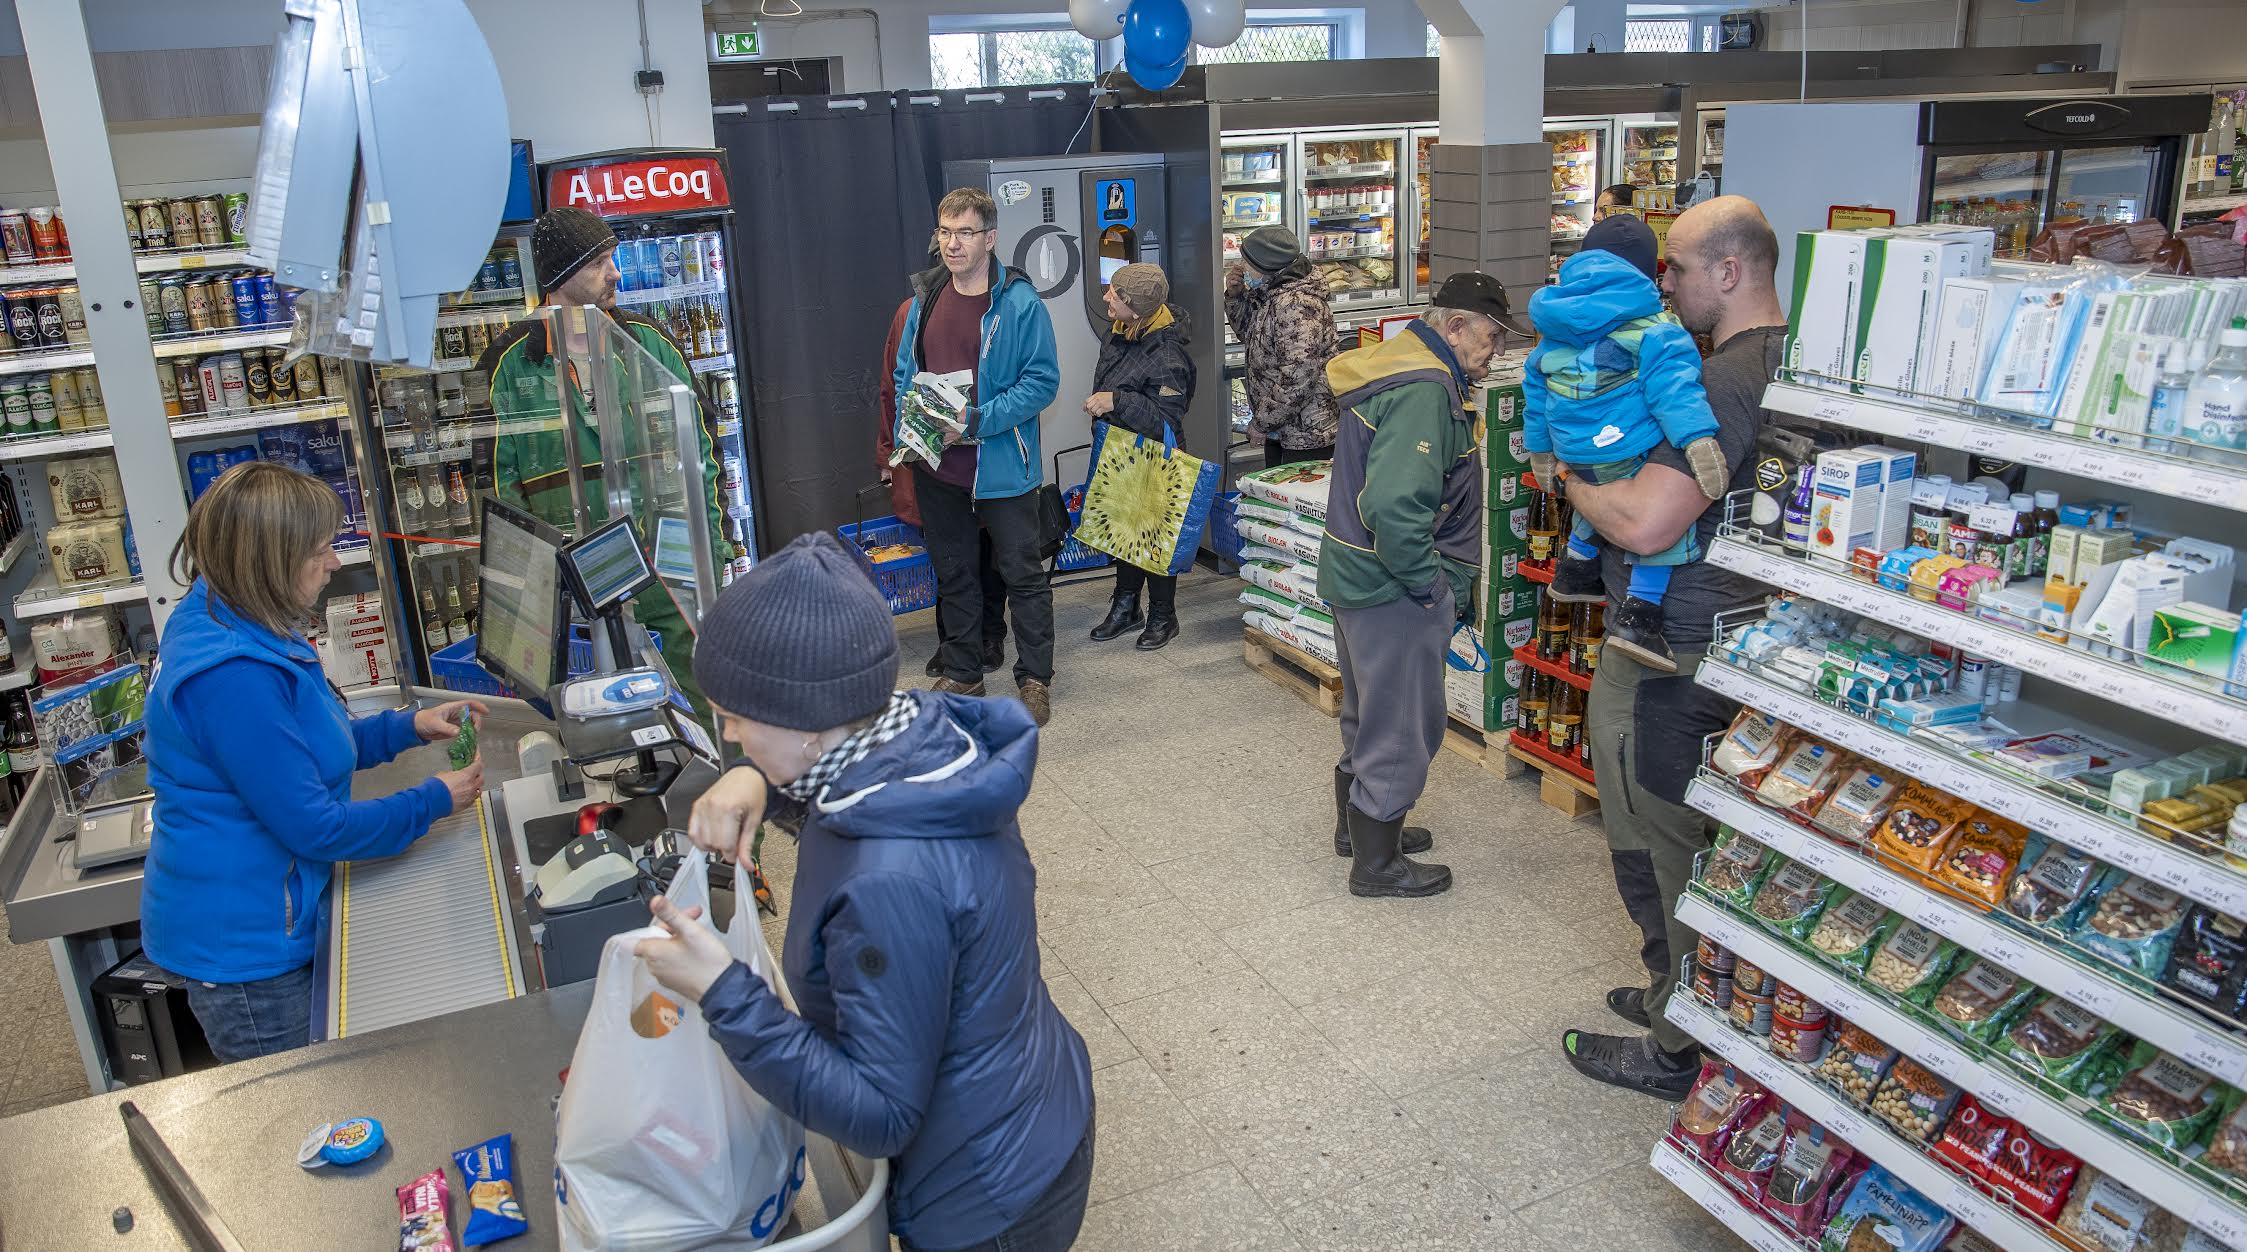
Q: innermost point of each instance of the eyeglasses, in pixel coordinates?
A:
(945, 235)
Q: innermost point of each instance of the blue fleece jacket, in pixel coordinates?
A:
(1613, 374)
(1017, 374)
(927, 1035)
(250, 755)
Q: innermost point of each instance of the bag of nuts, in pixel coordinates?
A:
(2160, 1099)
(1912, 963)
(1914, 1101)
(2133, 923)
(2227, 1147)
(1856, 1064)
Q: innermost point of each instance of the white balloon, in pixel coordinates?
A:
(1098, 19)
(1217, 22)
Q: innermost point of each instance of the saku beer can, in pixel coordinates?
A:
(242, 290)
(269, 311)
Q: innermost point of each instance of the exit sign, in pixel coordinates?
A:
(738, 45)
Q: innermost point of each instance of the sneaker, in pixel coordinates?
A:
(1632, 1064)
(1576, 580)
(1038, 698)
(1629, 1003)
(1634, 628)
(954, 687)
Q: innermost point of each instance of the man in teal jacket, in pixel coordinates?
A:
(970, 313)
(1403, 540)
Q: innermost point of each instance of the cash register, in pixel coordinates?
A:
(629, 757)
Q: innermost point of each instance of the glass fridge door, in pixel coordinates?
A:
(2004, 191)
(1252, 190)
(1423, 165)
(1350, 211)
(2108, 184)
(1650, 153)
(1576, 165)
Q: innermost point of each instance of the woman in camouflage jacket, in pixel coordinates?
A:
(1278, 310)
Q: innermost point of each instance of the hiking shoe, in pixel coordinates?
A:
(1416, 838)
(954, 687)
(1576, 580)
(1123, 616)
(1632, 1064)
(1629, 1003)
(1038, 698)
(1635, 628)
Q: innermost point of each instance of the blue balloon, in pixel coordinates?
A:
(1152, 77)
(1159, 32)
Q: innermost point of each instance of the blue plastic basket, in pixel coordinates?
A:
(1227, 539)
(907, 582)
(454, 666)
(1075, 555)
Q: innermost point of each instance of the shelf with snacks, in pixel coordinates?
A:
(2041, 807)
(203, 343)
(1354, 254)
(1362, 169)
(61, 443)
(45, 597)
(1527, 655)
(258, 419)
(1352, 212)
(2053, 1114)
(2214, 1046)
(1375, 295)
(2206, 475)
(43, 360)
(2147, 689)
(1866, 1133)
(1719, 1200)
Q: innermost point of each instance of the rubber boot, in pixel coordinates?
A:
(1379, 866)
(1162, 627)
(1123, 615)
(1416, 839)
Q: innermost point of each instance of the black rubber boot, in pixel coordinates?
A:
(1629, 1003)
(1379, 867)
(1416, 839)
(1635, 627)
(1577, 581)
(1632, 1064)
(1162, 627)
(1123, 615)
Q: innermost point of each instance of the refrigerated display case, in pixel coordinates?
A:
(1253, 187)
(1646, 151)
(1580, 148)
(1349, 202)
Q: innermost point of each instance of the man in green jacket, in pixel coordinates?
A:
(1403, 541)
(574, 252)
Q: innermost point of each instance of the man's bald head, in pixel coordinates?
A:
(1732, 226)
(1721, 253)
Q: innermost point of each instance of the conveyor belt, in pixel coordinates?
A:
(422, 933)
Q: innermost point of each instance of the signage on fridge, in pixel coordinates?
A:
(631, 188)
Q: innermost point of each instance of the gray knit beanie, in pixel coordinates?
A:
(803, 641)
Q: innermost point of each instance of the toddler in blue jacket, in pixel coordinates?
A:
(1614, 376)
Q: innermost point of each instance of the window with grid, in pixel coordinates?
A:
(1663, 34)
(971, 60)
(1307, 41)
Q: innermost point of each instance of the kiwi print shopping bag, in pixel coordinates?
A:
(1145, 501)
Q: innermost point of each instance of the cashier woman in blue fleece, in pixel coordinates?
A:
(251, 753)
(926, 1034)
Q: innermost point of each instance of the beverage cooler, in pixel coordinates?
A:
(1646, 150)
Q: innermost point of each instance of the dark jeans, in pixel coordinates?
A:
(994, 594)
(1055, 1216)
(1275, 455)
(1163, 593)
(250, 1019)
(953, 524)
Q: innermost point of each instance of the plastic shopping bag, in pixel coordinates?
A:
(1145, 501)
(659, 1142)
(935, 406)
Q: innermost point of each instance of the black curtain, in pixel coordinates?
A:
(834, 206)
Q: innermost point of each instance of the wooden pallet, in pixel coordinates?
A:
(1561, 789)
(1469, 742)
(1315, 682)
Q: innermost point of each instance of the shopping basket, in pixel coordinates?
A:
(1074, 555)
(908, 581)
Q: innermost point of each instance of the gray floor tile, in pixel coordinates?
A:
(1304, 1132)
(1213, 1034)
(1330, 948)
(1415, 1030)
(1074, 889)
(50, 1064)
(1213, 1209)
(1238, 885)
(1103, 1040)
(1629, 1207)
(1531, 1127)
(1432, 1207)
(1158, 825)
(1138, 953)
(1146, 1135)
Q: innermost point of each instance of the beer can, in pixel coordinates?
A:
(237, 217)
(132, 225)
(269, 302)
(48, 305)
(713, 257)
(64, 386)
(73, 314)
(209, 386)
(202, 471)
(280, 376)
(46, 234)
(487, 275)
(233, 383)
(335, 382)
(668, 257)
(257, 379)
(172, 292)
(189, 385)
(41, 388)
(167, 388)
(510, 271)
(155, 224)
(479, 339)
(729, 397)
(23, 319)
(199, 315)
(307, 379)
(15, 236)
(152, 305)
(243, 289)
(452, 343)
(210, 220)
(181, 214)
(650, 253)
(90, 403)
(15, 402)
(223, 316)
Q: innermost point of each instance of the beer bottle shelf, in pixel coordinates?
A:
(58, 443)
(1527, 655)
(200, 343)
(257, 419)
(1546, 756)
(41, 360)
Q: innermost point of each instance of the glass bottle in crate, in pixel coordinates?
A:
(1564, 722)
(1544, 525)
(1587, 629)
(1529, 711)
(1552, 625)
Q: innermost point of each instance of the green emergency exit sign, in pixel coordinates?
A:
(739, 45)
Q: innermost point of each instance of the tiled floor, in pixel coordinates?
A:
(1278, 1064)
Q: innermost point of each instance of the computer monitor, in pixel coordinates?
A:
(522, 620)
(606, 568)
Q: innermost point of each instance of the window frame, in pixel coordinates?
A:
(987, 26)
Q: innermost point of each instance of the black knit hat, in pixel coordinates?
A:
(803, 641)
(1626, 237)
(563, 241)
(1271, 248)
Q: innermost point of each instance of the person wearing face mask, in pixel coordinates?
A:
(251, 753)
(1403, 542)
(923, 1031)
(1278, 309)
(1143, 383)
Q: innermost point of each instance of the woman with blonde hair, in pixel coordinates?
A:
(251, 752)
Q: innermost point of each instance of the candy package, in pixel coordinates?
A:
(2132, 922)
(1753, 1151)
(2161, 1099)
(2102, 1215)
(1972, 1138)
(1811, 1160)
(1912, 963)
(1736, 867)
(1792, 897)
(495, 1212)
(1914, 1101)
(2038, 1174)
(1750, 746)
(1882, 1213)
(1850, 929)
(2059, 1040)
(1705, 1117)
(2208, 961)
(421, 1215)
(1920, 826)
(1981, 1000)
(1856, 1064)
(1983, 856)
(1860, 804)
(2227, 1145)
(1803, 777)
(2053, 879)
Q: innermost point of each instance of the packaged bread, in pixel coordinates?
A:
(1920, 826)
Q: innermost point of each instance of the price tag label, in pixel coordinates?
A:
(2169, 704)
(2096, 996)
(1833, 409)
(1763, 1239)
(2002, 1098)
(2002, 801)
(2224, 1221)
(2005, 951)
(2220, 1057)
(190, 261)
(1817, 855)
(2037, 452)
(2131, 856)
(1923, 430)
(2213, 489)
(649, 736)
(2089, 462)
(1851, 1125)
(1886, 892)
(1968, 1204)
(2173, 875)
(1930, 914)
(2129, 471)
(1984, 439)
(1844, 1000)
(1949, 1062)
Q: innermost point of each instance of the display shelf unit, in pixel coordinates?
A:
(715, 361)
(2220, 479)
(14, 551)
(491, 296)
(1721, 1202)
(1264, 178)
(62, 443)
(1527, 655)
(17, 680)
(1538, 571)
(2007, 794)
(2157, 1021)
(25, 275)
(1242, 223)
(2130, 685)
(42, 360)
(202, 343)
(144, 262)
(655, 295)
(1382, 295)
(258, 419)
(2129, 1163)
(1351, 213)
(1355, 254)
(45, 598)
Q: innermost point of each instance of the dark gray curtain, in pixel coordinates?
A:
(833, 211)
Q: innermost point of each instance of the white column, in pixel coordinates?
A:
(1491, 84)
(1490, 189)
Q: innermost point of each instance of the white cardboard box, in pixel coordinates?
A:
(1963, 334)
(1899, 470)
(1903, 281)
(1845, 509)
(1829, 270)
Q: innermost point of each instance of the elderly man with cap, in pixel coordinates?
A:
(921, 1031)
(575, 255)
(1278, 310)
(1143, 383)
(1403, 540)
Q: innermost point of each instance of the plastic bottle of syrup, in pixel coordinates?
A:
(2216, 407)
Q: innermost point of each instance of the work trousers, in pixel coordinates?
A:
(952, 524)
(1392, 698)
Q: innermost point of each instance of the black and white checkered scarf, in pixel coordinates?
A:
(903, 707)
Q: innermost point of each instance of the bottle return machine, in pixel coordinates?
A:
(1070, 222)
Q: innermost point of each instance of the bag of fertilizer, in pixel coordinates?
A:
(1293, 542)
(1289, 580)
(1273, 556)
(1320, 646)
(936, 405)
(1301, 487)
(1280, 606)
(1266, 513)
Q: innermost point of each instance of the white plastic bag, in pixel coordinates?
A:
(659, 1142)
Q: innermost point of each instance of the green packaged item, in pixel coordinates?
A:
(1791, 898)
(2160, 1099)
(2058, 1040)
(1850, 930)
(935, 407)
(1912, 964)
(464, 743)
(1981, 1000)
(1737, 866)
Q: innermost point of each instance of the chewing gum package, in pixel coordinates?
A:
(494, 1211)
(421, 1215)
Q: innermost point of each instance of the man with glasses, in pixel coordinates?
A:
(970, 313)
(1403, 541)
